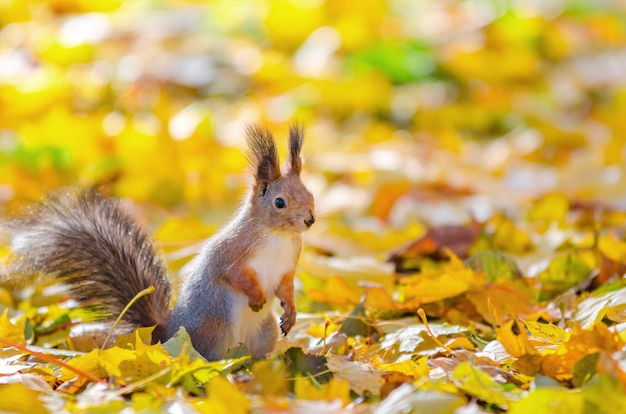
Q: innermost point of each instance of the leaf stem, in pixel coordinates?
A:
(53, 360)
(326, 325)
(132, 387)
(422, 316)
(138, 296)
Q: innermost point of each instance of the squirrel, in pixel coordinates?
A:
(89, 242)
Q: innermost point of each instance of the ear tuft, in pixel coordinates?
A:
(262, 153)
(296, 137)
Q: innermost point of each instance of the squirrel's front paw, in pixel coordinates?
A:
(288, 319)
(256, 305)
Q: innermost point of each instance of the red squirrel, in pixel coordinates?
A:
(89, 242)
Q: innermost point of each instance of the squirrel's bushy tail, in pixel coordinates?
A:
(88, 241)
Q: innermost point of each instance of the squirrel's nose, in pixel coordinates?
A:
(309, 222)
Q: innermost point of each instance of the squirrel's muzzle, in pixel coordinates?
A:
(309, 222)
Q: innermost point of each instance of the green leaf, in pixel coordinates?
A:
(477, 383)
(564, 272)
(356, 324)
(496, 265)
(299, 363)
(400, 62)
(179, 342)
(604, 395)
(585, 369)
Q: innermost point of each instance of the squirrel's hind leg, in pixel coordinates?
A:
(212, 339)
(265, 339)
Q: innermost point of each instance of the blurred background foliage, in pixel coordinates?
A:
(463, 106)
(469, 125)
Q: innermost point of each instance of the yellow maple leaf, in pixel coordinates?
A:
(17, 398)
(89, 362)
(336, 291)
(514, 336)
(12, 331)
(547, 333)
(128, 365)
(223, 398)
(305, 389)
(129, 341)
(550, 401)
(379, 299)
(434, 284)
(268, 378)
(416, 369)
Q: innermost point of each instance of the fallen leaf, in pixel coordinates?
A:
(179, 342)
(478, 384)
(514, 336)
(17, 398)
(551, 208)
(508, 297)
(550, 401)
(508, 237)
(436, 244)
(410, 337)
(593, 309)
(585, 369)
(405, 399)
(565, 272)
(357, 323)
(433, 284)
(604, 395)
(13, 332)
(338, 389)
(496, 265)
(362, 377)
(612, 258)
(582, 342)
(300, 364)
(415, 369)
(223, 398)
(335, 292)
(89, 362)
(269, 378)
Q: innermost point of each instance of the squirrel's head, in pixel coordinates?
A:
(279, 198)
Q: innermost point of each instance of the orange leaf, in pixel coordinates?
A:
(436, 243)
(514, 336)
(582, 342)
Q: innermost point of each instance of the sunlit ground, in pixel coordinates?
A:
(471, 126)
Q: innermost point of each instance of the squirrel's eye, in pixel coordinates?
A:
(280, 203)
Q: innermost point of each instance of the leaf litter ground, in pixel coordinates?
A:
(471, 253)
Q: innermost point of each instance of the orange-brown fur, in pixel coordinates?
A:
(285, 294)
(245, 282)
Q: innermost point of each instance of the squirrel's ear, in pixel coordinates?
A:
(262, 153)
(296, 137)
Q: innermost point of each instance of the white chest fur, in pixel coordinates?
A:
(275, 256)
